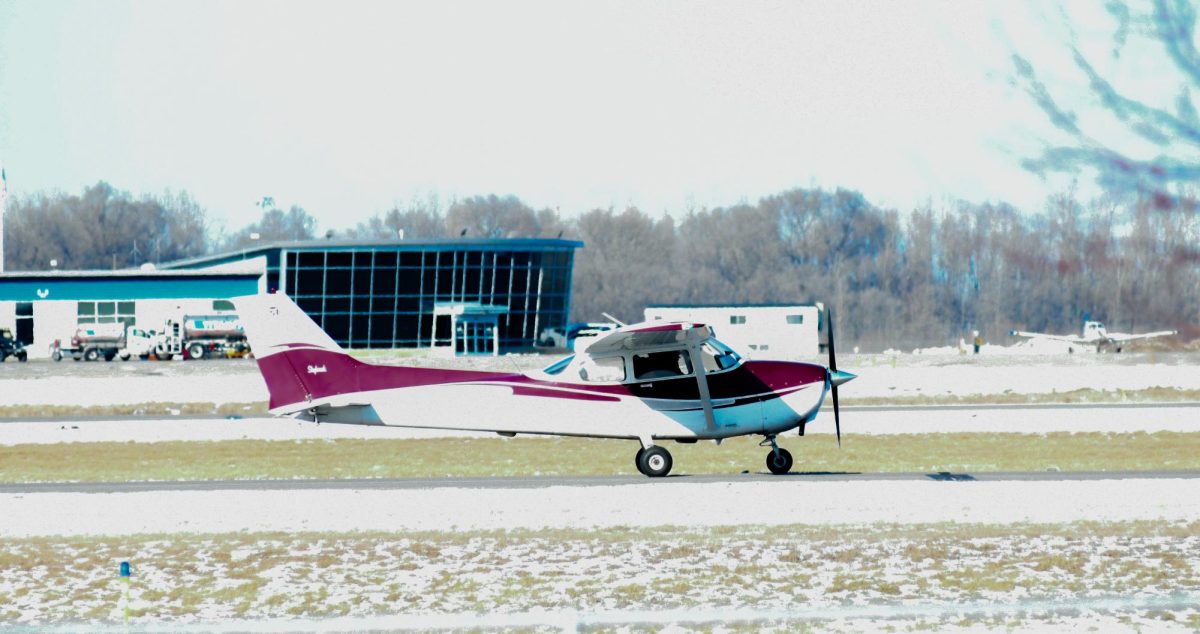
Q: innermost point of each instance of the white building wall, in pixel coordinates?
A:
(52, 319)
(58, 319)
(757, 332)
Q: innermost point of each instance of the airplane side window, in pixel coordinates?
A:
(603, 370)
(661, 365)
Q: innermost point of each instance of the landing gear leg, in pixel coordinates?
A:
(779, 460)
(654, 461)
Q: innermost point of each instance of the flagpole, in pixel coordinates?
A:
(3, 203)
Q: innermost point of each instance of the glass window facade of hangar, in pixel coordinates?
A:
(385, 299)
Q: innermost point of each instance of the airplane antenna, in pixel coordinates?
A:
(614, 320)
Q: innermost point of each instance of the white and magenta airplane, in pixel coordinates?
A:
(648, 382)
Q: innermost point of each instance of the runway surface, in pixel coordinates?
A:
(539, 482)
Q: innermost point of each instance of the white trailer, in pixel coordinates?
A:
(771, 331)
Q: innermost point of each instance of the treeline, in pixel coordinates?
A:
(925, 277)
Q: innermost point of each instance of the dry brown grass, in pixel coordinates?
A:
(356, 458)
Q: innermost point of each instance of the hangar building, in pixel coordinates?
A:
(466, 295)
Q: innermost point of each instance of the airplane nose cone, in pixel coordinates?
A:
(837, 377)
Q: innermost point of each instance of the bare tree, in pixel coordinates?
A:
(276, 225)
(102, 228)
(420, 218)
(1169, 131)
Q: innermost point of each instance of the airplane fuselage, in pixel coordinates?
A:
(755, 397)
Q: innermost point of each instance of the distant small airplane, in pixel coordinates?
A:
(648, 382)
(1095, 334)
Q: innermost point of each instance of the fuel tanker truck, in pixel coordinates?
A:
(202, 336)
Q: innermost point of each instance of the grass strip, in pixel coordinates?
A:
(524, 456)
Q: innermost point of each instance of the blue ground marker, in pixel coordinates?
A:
(125, 577)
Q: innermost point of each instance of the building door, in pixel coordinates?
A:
(25, 323)
(477, 336)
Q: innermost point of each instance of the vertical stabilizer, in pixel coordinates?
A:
(299, 362)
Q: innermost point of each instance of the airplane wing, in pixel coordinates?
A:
(1120, 337)
(654, 334)
(1041, 335)
(649, 335)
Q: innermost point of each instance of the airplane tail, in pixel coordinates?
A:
(298, 361)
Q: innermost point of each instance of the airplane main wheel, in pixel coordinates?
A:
(654, 462)
(780, 463)
(637, 460)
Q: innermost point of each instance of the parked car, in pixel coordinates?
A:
(10, 347)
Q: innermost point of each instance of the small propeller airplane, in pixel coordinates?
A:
(648, 382)
(1095, 334)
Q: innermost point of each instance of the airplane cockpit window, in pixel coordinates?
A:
(602, 370)
(717, 356)
(661, 365)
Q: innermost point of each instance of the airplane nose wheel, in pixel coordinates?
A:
(779, 461)
(654, 462)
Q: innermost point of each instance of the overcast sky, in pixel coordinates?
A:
(346, 108)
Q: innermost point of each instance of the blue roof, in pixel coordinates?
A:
(422, 244)
(125, 285)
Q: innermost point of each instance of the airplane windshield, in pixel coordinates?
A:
(718, 356)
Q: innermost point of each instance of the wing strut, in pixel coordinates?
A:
(710, 422)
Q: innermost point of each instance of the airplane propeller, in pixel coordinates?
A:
(835, 379)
